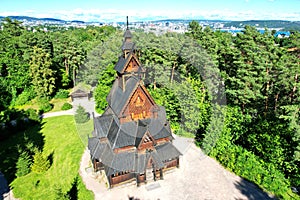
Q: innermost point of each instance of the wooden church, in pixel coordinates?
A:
(132, 140)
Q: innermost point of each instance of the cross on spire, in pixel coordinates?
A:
(127, 22)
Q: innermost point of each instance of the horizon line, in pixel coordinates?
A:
(153, 20)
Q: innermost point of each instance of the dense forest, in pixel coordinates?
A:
(237, 95)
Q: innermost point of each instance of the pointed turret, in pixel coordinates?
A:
(128, 45)
(127, 35)
(128, 64)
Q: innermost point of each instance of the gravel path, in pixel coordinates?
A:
(59, 113)
(199, 177)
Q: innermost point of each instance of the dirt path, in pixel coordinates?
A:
(199, 177)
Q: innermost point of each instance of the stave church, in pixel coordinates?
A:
(132, 139)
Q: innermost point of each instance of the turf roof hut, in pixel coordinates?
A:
(132, 140)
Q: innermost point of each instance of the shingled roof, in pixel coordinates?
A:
(130, 133)
(123, 62)
(131, 161)
(127, 34)
(120, 64)
(167, 151)
(117, 98)
(128, 46)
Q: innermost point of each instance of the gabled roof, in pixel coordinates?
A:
(79, 93)
(123, 63)
(130, 133)
(118, 98)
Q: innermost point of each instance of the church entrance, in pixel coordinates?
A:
(149, 174)
(150, 170)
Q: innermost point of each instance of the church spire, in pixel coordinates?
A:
(127, 34)
(128, 45)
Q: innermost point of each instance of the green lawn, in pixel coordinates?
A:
(57, 104)
(85, 130)
(63, 144)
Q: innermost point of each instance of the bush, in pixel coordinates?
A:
(23, 164)
(32, 114)
(40, 163)
(27, 95)
(81, 115)
(45, 105)
(62, 94)
(66, 106)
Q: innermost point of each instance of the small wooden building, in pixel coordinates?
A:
(80, 94)
(132, 140)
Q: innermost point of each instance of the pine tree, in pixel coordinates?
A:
(81, 115)
(23, 164)
(40, 163)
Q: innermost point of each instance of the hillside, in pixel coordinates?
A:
(278, 24)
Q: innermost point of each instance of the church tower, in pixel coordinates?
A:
(132, 139)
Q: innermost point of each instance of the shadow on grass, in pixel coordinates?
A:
(50, 158)
(73, 192)
(252, 191)
(3, 186)
(16, 142)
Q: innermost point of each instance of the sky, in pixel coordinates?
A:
(137, 10)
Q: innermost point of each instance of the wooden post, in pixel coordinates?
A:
(137, 180)
(109, 182)
(161, 174)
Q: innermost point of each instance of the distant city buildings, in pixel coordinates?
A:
(157, 27)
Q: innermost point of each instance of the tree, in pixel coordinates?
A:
(40, 163)
(5, 95)
(106, 80)
(81, 115)
(99, 59)
(41, 73)
(23, 164)
(14, 69)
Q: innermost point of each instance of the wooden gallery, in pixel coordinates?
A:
(132, 140)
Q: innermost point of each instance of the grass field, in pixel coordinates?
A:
(58, 138)
(85, 130)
